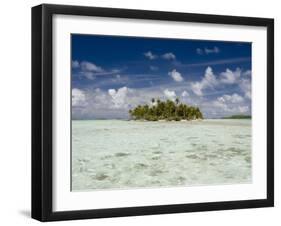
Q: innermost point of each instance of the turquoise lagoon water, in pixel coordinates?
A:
(116, 154)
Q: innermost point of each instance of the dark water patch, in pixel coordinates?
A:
(141, 166)
(101, 176)
(84, 160)
(192, 156)
(110, 165)
(229, 176)
(156, 157)
(181, 179)
(211, 156)
(203, 158)
(155, 182)
(239, 136)
(234, 150)
(192, 138)
(212, 164)
(248, 159)
(237, 142)
(156, 172)
(202, 148)
(121, 154)
(106, 157)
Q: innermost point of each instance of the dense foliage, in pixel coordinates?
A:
(165, 110)
(238, 117)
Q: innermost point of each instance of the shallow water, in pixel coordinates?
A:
(116, 154)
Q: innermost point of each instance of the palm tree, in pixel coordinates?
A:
(177, 101)
(169, 110)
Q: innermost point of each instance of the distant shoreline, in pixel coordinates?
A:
(238, 117)
(161, 120)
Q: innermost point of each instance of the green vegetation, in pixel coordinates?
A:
(165, 110)
(238, 117)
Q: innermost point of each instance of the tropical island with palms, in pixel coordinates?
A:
(165, 110)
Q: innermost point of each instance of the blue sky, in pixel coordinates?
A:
(112, 74)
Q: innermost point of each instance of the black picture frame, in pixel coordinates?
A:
(42, 111)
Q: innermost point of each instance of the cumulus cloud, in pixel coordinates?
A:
(231, 104)
(90, 70)
(208, 81)
(169, 56)
(75, 64)
(185, 94)
(199, 51)
(247, 73)
(170, 94)
(93, 102)
(245, 86)
(150, 55)
(212, 50)
(119, 97)
(78, 98)
(230, 77)
(234, 98)
(153, 68)
(243, 109)
(176, 75)
(206, 51)
(90, 67)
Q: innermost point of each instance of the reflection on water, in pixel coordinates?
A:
(115, 154)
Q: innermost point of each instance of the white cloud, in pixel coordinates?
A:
(119, 97)
(210, 78)
(176, 75)
(75, 64)
(247, 73)
(199, 51)
(245, 86)
(88, 74)
(185, 94)
(169, 56)
(197, 88)
(90, 70)
(170, 94)
(218, 103)
(78, 98)
(212, 50)
(115, 103)
(88, 66)
(231, 104)
(153, 68)
(243, 109)
(230, 77)
(234, 98)
(150, 55)
(207, 51)
(209, 81)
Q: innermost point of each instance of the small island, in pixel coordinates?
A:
(238, 117)
(165, 110)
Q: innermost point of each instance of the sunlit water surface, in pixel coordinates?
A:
(116, 154)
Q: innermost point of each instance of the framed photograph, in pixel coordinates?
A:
(146, 112)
